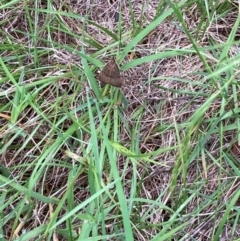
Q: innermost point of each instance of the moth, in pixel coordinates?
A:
(111, 74)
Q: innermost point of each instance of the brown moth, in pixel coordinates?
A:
(111, 74)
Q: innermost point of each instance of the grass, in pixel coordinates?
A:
(157, 159)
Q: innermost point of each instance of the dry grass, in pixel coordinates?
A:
(185, 168)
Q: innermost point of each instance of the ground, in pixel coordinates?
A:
(158, 158)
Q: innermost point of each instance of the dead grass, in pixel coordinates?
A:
(163, 95)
